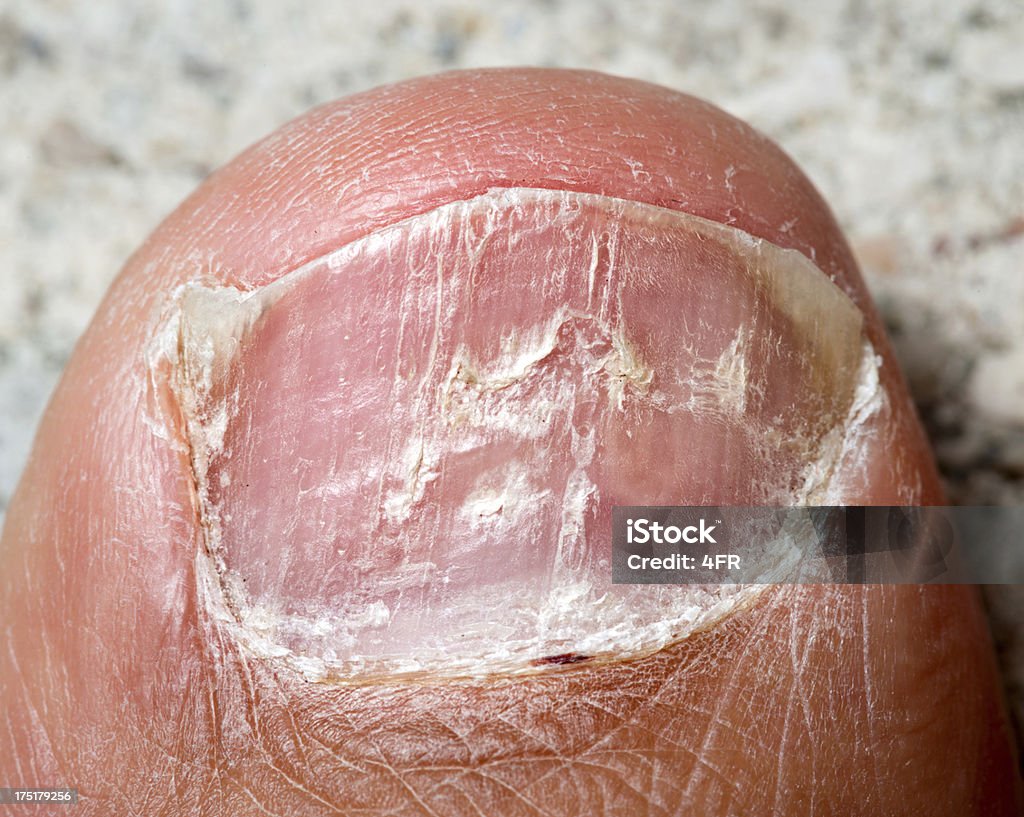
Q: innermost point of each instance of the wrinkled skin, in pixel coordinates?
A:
(116, 679)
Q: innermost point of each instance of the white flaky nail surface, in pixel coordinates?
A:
(406, 452)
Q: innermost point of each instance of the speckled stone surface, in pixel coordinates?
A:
(908, 115)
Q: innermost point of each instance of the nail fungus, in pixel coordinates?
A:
(406, 452)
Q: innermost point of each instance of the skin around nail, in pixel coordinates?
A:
(318, 519)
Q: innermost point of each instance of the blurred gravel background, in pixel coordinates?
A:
(908, 115)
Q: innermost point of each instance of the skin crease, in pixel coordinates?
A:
(823, 700)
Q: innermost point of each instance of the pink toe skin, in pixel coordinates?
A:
(117, 675)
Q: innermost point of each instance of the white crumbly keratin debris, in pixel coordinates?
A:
(513, 396)
(722, 386)
(840, 456)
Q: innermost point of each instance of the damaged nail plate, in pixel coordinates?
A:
(407, 451)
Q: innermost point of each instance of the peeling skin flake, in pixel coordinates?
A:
(407, 451)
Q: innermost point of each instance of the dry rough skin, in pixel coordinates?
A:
(861, 700)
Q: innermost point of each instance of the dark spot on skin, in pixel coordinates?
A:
(561, 658)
